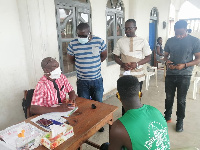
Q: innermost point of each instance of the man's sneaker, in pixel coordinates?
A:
(179, 126)
(168, 119)
(101, 129)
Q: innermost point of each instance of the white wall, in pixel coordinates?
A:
(140, 11)
(13, 69)
(196, 34)
(38, 23)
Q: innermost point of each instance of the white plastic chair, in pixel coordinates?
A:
(195, 79)
(148, 74)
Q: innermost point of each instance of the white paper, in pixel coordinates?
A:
(56, 129)
(10, 134)
(127, 72)
(62, 114)
(57, 116)
(5, 146)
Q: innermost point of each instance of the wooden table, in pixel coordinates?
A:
(86, 122)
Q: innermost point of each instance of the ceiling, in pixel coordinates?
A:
(196, 3)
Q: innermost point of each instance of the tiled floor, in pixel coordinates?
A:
(155, 96)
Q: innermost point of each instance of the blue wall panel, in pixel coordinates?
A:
(152, 35)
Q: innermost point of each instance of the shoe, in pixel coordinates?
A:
(179, 126)
(168, 119)
(101, 129)
(104, 146)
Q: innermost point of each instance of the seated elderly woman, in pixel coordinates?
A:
(51, 90)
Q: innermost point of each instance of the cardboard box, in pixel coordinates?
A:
(52, 143)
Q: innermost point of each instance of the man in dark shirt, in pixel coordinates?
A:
(180, 50)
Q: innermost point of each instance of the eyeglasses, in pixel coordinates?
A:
(128, 28)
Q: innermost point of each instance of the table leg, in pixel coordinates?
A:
(80, 148)
(165, 68)
(93, 144)
(110, 125)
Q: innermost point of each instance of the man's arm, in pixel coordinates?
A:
(166, 55)
(71, 58)
(116, 53)
(72, 95)
(196, 61)
(103, 55)
(119, 137)
(181, 66)
(123, 65)
(38, 110)
(168, 62)
(145, 60)
(141, 62)
(192, 63)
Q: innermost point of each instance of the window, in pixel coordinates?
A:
(115, 25)
(69, 13)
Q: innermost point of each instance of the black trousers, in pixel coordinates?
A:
(181, 83)
(123, 110)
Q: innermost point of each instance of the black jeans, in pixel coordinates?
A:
(182, 84)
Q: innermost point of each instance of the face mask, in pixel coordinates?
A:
(83, 40)
(55, 74)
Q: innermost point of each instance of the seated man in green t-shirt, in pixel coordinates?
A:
(142, 126)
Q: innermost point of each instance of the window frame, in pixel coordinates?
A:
(116, 13)
(77, 7)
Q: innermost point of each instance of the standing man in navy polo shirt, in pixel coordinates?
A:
(87, 52)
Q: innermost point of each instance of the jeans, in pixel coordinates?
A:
(182, 84)
(90, 89)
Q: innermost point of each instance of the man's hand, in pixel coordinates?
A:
(126, 66)
(69, 103)
(168, 62)
(133, 65)
(72, 95)
(170, 65)
(180, 66)
(64, 107)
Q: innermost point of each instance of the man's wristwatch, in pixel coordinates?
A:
(137, 65)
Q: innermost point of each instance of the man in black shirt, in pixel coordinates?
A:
(181, 48)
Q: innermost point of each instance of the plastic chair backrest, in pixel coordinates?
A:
(26, 102)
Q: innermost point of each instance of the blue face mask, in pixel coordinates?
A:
(83, 40)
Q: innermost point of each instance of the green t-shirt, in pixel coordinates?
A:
(147, 128)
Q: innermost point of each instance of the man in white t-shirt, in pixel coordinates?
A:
(131, 52)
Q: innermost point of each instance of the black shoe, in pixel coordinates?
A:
(104, 146)
(101, 129)
(179, 126)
